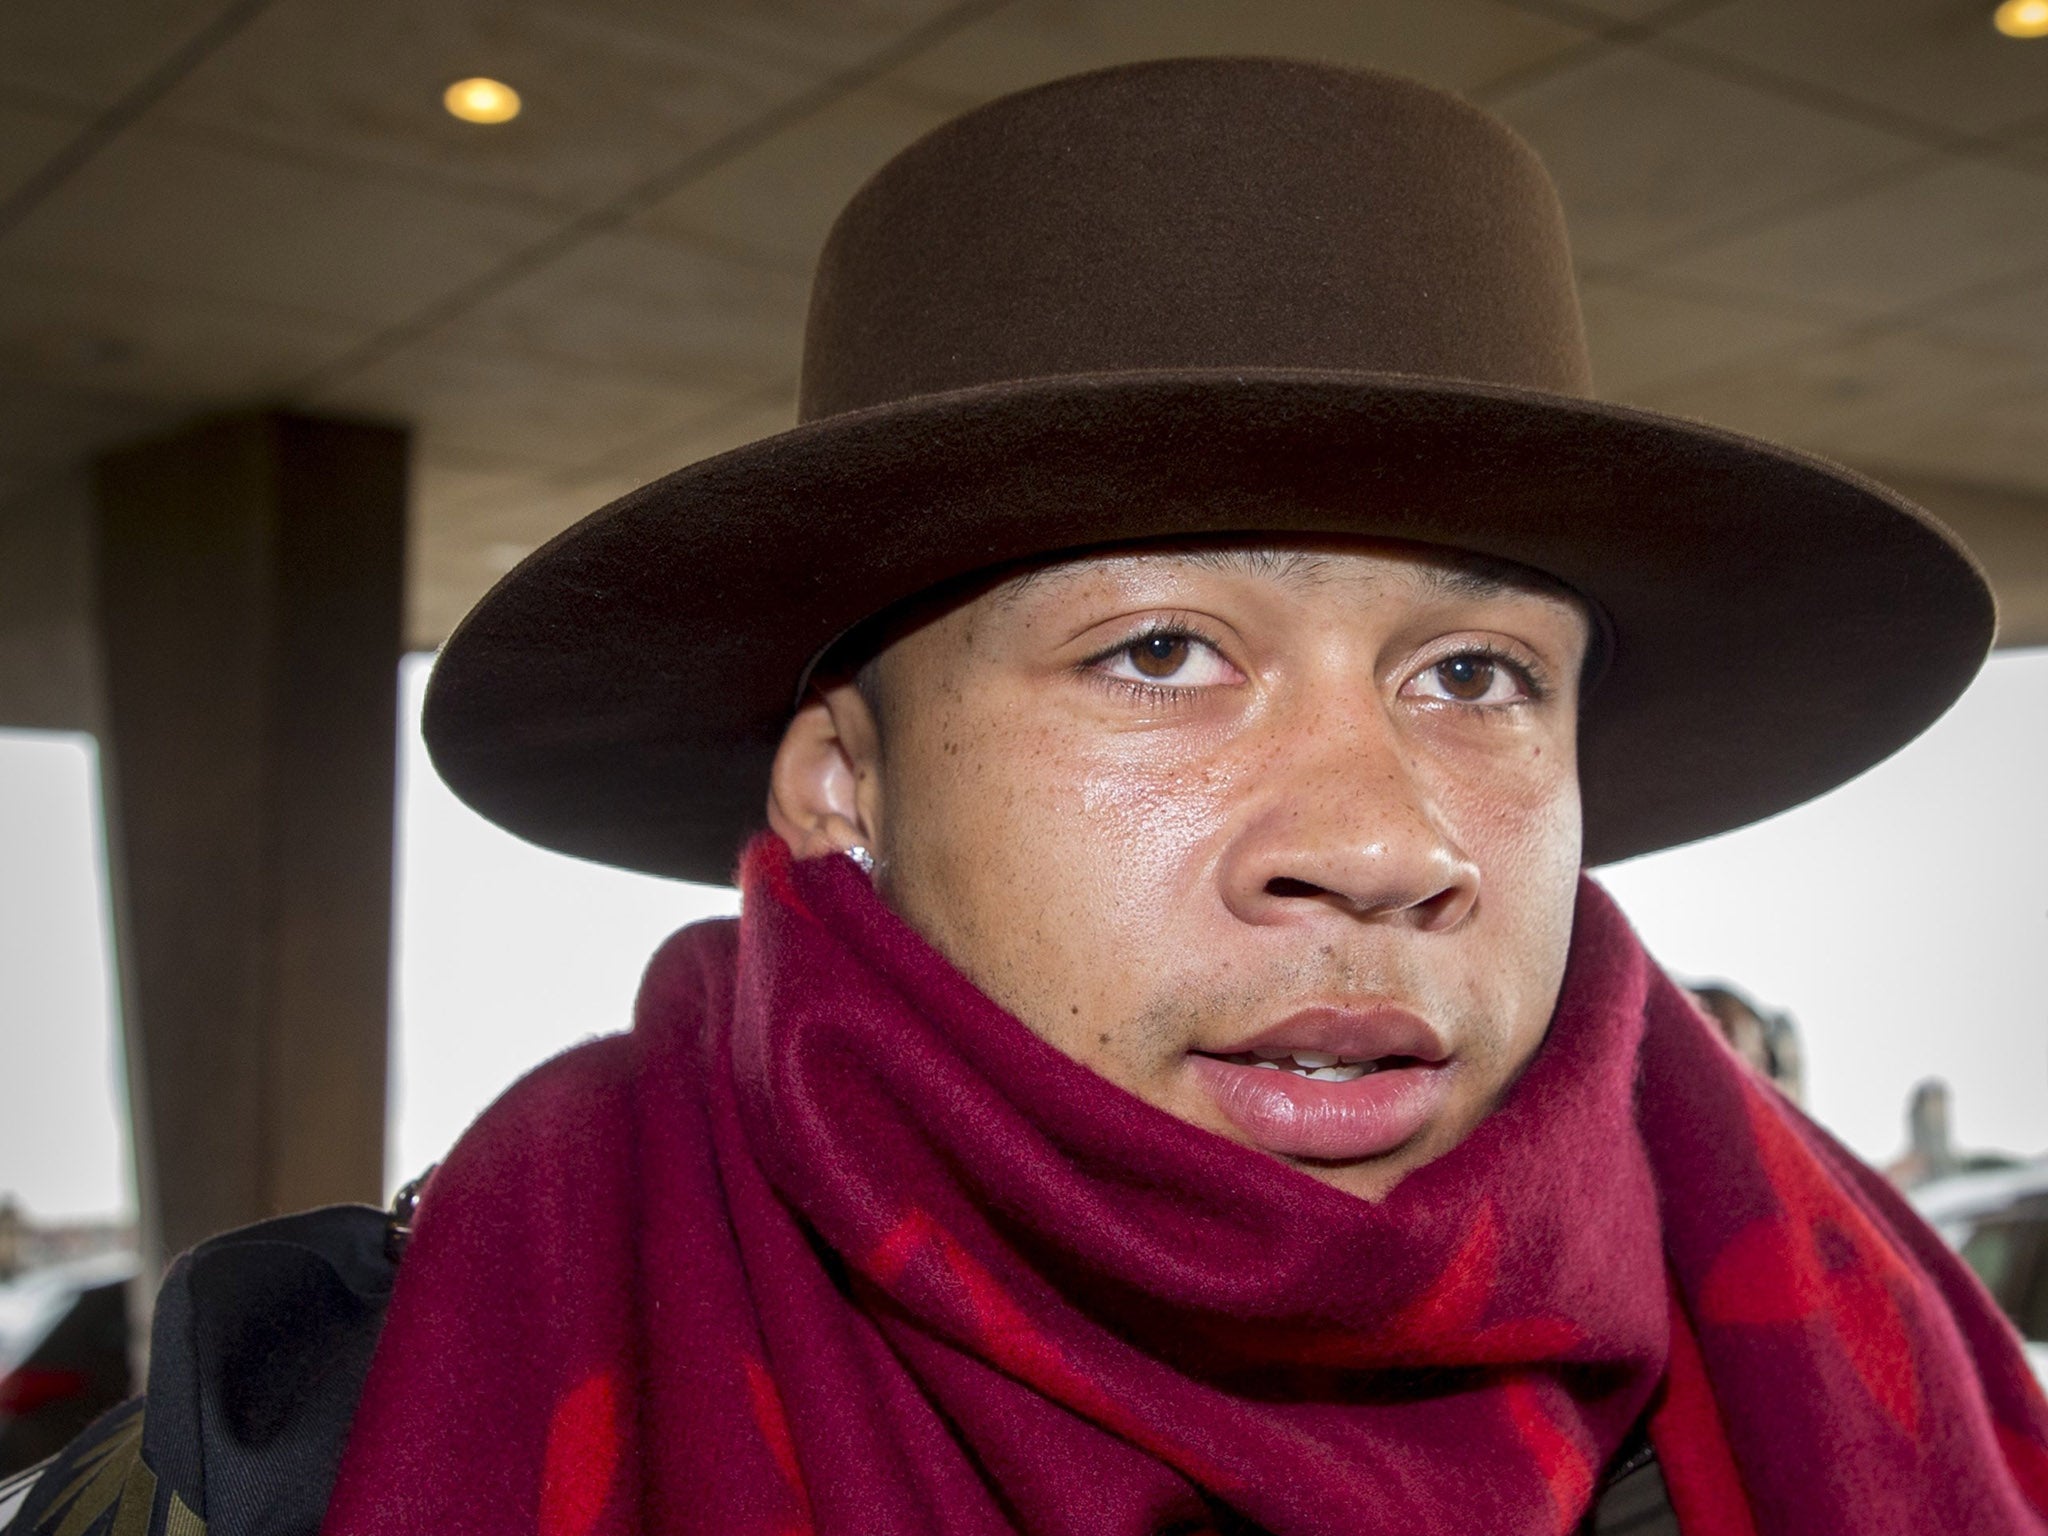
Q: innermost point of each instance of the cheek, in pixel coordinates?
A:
(1150, 819)
(1517, 816)
(1048, 866)
(1523, 829)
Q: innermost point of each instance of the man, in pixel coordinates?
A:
(1769, 1042)
(1169, 1074)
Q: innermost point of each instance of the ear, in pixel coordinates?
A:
(825, 790)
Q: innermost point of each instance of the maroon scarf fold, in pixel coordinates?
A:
(830, 1243)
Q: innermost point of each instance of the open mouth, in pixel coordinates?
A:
(1317, 1066)
(1331, 1084)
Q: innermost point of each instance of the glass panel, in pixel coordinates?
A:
(64, 1158)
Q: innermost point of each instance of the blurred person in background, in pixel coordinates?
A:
(1767, 1041)
(1170, 1073)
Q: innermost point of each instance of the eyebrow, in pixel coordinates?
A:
(1449, 573)
(1297, 567)
(1479, 576)
(1290, 565)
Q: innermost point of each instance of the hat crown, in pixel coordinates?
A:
(1198, 213)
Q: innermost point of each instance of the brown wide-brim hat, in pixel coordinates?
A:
(1193, 298)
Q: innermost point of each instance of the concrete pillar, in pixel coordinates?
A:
(49, 653)
(250, 588)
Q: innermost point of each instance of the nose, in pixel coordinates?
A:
(1347, 820)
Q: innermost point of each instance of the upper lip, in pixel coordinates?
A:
(1367, 1032)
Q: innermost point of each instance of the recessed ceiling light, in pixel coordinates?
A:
(480, 100)
(2022, 18)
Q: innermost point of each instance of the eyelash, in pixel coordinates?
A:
(1534, 684)
(1149, 692)
(1536, 688)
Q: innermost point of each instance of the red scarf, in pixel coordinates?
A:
(831, 1243)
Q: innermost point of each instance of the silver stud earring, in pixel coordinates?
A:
(861, 857)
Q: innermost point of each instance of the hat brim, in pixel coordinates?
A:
(1778, 623)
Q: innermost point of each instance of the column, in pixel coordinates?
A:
(250, 609)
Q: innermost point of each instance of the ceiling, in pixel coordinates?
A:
(1825, 221)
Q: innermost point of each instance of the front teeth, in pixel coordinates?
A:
(1343, 1072)
(1319, 1066)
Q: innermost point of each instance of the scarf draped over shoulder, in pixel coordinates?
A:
(830, 1243)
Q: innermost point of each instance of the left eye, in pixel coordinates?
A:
(1165, 657)
(1472, 677)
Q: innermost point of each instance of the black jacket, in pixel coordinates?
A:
(257, 1357)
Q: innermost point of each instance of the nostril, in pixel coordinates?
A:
(1283, 885)
(1433, 910)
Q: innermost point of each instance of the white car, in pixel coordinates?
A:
(63, 1354)
(1998, 1221)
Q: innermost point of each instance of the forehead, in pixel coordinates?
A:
(1429, 571)
(1358, 572)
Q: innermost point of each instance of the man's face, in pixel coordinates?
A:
(1212, 821)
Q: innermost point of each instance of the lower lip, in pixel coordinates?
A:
(1294, 1116)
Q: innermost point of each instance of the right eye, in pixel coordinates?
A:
(1172, 658)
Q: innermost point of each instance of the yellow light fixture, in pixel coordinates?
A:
(2022, 18)
(480, 100)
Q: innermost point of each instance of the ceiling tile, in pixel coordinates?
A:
(450, 481)
(137, 337)
(255, 227)
(2017, 317)
(2027, 145)
(1649, 155)
(30, 133)
(495, 516)
(45, 426)
(1628, 10)
(742, 419)
(661, 306)
(2000, 435)
(474, 518)
(777, 200)
(613, 93)
(94, 54)
(523, 411)
(1853, 399)
(1641, 334)
(1910, 242)
(1456, 43)
(835, 34)
(1936, 60)
(780, 198)
(461, 547)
